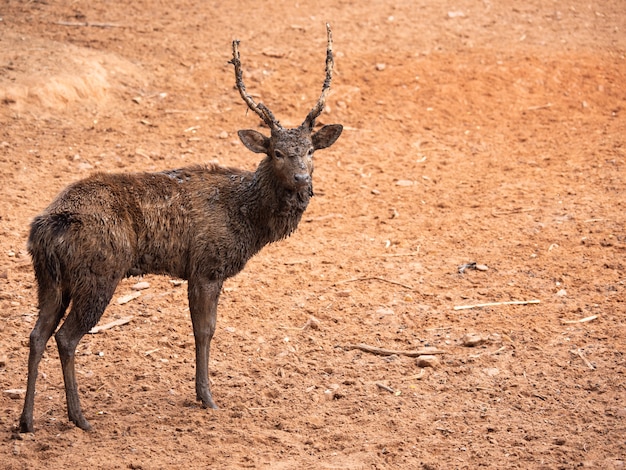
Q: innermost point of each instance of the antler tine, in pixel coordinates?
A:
(317, 109)
(260, 109)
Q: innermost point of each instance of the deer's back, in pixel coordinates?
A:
(139, 223)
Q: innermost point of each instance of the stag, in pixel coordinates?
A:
(199, 223)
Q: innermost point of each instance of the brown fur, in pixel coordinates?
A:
(200, 223)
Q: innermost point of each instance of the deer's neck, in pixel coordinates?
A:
(275, 210)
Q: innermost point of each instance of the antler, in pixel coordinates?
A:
(317, 109)
(262, 110)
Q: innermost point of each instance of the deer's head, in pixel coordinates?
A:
(290, 150)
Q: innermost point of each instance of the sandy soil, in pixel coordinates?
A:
(475, 131)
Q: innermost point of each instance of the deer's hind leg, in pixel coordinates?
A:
(87, 308)
(52, 307)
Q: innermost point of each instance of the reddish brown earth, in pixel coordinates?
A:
(475, 131)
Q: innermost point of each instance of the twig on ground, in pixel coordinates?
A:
(488, 353)
(373, 278)
(416, 376)
(543, 106)
(495, 304)
(394, 255)
(107, 326)
(94, 25)
(515, 210)
(391, 352)
(184, 111)
(578, 352)
(384, 387)
(582, 320)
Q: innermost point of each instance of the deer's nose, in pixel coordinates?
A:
(302, 178)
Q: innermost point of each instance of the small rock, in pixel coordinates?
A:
(15, 393)
(481, 267)
(380, 67)
(561, 293)
(11, 253)
(456, 14)
(223, 135)
(472, 339)
(312, 323)
(3, 361)
(375, 192)
(404, 183)
(141, 285)
(384, 311)
(427, 361)
(491, 371)
(332, 392)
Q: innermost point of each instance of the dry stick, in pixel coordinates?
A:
(495, 304)
(517, 210)
(373, 278)
(107, 326)
(95, 25)
(393, 255)
(582, 320)
(543, 106)
(384, 387)
(579, 353)
(391, 352)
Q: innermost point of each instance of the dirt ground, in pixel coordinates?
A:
(475, 131)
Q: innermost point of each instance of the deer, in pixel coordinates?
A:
(200, 223)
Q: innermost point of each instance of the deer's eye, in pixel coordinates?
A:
(309, 153)
(278, 154)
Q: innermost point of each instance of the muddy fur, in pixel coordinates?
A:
(200, 223)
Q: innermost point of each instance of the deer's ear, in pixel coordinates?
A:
(326, 136)
(254, 141)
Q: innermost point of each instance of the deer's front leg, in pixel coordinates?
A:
(203, 298)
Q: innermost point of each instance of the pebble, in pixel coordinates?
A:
(141, 285)
(491, 371)
(384, 311)
(380, 67)
(404, 183)
(472, 339)
(561, 293)
(312, 323)
(481, 267)
(427, 361)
